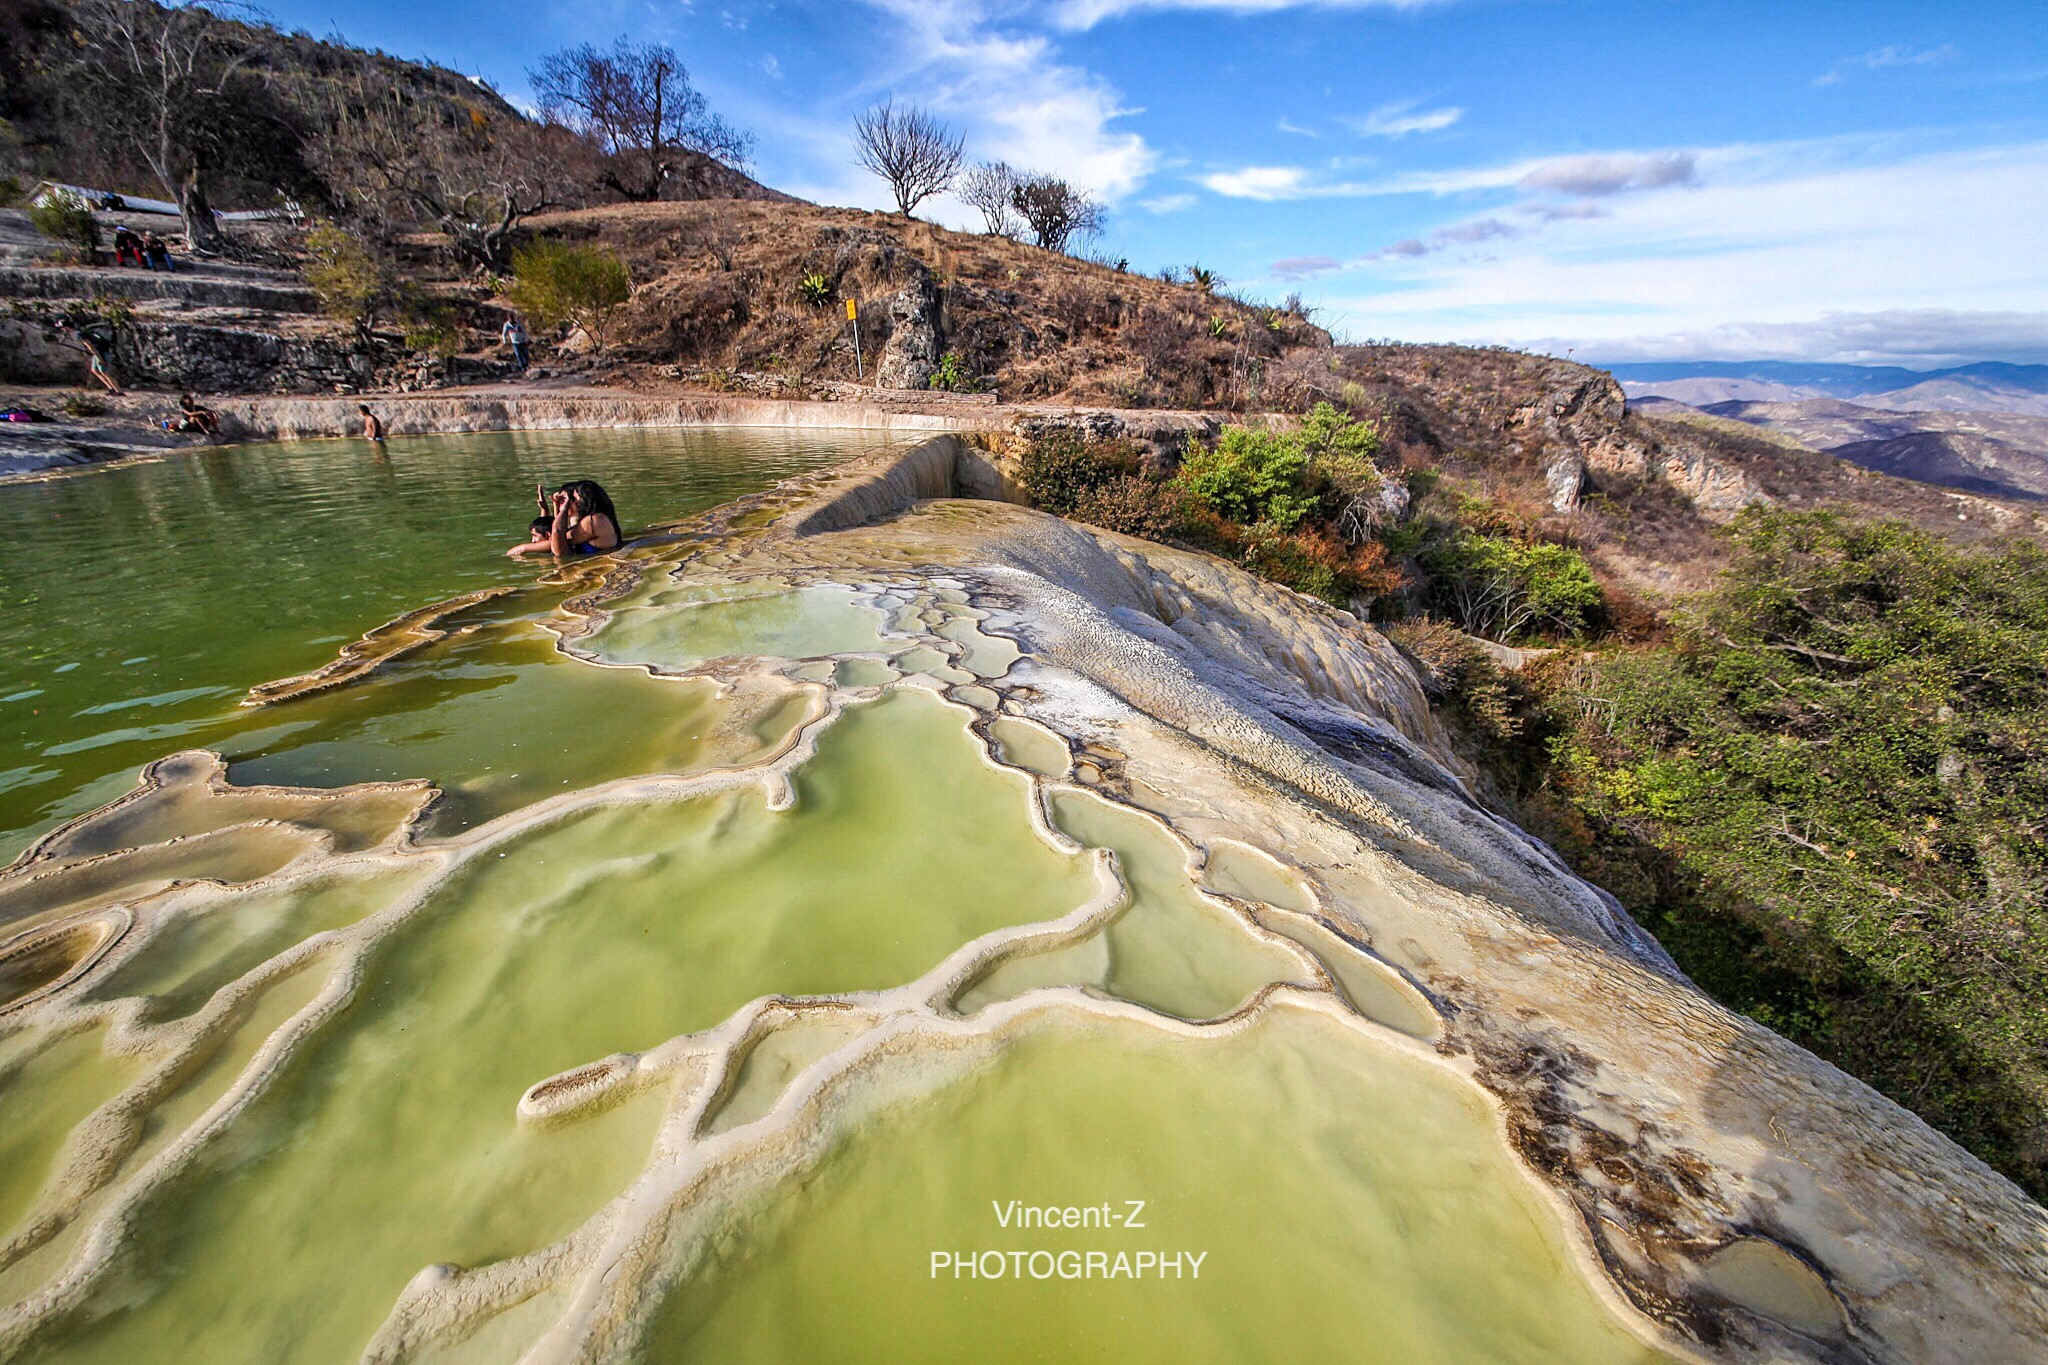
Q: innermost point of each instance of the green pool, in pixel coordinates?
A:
(142, 601)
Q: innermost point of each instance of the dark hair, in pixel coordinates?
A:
(590, 499)
(541, 526)
(363, 408)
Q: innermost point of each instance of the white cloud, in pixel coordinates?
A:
(1777, 235)
(1455, 234)
(1401, 118)
(1287, 127)
(1019, 101)
(1602, 174)
(1167, 203)
(1262, 182)
(1301, 267)
(1923, 337)
(1882, 58)
(770, 68)
(1551, 212)
(1086, 14)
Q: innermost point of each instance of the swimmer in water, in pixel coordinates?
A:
(580, 521)
(373, 426)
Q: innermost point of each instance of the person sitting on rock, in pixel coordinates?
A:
(127, 243)
(192, 416)
(157, 253)
(581, 521)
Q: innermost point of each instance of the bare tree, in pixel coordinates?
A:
(635, 101)
(990, 187)
(162, 80)
(401, 157)
(1056, 212)
(918, 155)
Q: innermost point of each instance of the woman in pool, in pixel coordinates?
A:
(581, 521)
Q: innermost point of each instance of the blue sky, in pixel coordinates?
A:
(1632, 179)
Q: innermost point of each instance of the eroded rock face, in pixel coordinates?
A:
(1584, 430)
(911, 354)
(1565, 477)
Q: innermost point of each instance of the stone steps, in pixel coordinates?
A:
(195, 288)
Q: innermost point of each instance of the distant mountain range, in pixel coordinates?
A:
(2003, 454)
(1987, 386)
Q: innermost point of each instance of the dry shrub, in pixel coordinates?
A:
(1458, 672)
(1061, 467)
(1134, 506)
(1081, 307)
(1168, 345)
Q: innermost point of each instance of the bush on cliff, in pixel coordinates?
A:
(1828, 798)
(64, 218)
(555, 284)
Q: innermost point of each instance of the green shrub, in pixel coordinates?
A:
(814, 289)
(952, 374)
(579, 286)
(351, 284)
(65, 218)
(1341, 450)
(433, 327)
(1502, 587)
(1251, 476)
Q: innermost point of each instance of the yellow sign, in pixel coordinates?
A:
(850, 313)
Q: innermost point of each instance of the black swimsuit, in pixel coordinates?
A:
(586, 548)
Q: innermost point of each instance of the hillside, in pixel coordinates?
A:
(2000, 454)
(718, 299)
(1645, 497)
(293, 85)
(721, 287)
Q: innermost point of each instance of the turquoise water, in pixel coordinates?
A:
(142, 601)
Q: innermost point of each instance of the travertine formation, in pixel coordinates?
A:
(1274, 825)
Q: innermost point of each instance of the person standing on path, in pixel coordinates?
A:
(513, 334)
(96, 339)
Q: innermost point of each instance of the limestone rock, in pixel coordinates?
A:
(1565, 477)
(911, 353)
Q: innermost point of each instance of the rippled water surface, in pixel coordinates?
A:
(141, 602)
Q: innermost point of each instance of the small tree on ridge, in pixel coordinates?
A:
(918, 155)
(1056, 212)
(990, 188)
(637, 103)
